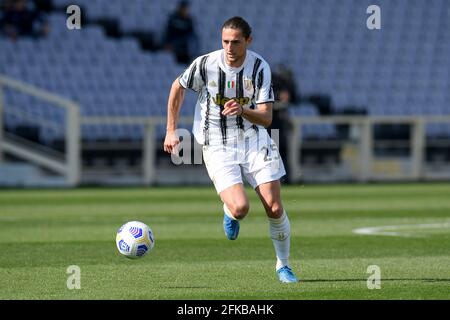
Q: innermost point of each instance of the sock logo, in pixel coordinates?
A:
(281, 236)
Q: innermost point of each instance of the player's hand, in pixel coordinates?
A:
(232, 108)
(171, 142)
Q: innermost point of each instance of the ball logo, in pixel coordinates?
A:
(123, 246)
(136, 232)
(141, 250)
(150, 236)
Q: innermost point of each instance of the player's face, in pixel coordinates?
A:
(235, 46)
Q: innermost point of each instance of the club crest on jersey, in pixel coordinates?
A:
(220, 100)
(248, 85)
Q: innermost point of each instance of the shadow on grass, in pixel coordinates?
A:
(186, 287)
(364, 280)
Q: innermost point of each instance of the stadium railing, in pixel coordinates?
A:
(356, 153)
(358, 159)
(67, 164)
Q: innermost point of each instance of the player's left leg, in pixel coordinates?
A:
(263, 169)
(279, 226)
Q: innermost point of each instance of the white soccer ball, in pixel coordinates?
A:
(134, 239)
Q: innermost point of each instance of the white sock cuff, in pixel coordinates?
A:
(227, 212)
(281, 263)
(279, 220)
(280, 229)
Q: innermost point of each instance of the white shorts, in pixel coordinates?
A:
(255, 154)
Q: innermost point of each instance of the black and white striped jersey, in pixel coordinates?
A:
(216, 83)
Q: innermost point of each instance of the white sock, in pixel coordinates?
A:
(280, 232)
(227, 212)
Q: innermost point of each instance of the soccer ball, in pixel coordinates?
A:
(134, 239)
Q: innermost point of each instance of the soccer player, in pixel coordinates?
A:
(234, 106)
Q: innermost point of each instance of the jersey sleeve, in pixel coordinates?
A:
(191, 78)
(264, 90)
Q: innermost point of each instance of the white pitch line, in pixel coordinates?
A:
(393, 230)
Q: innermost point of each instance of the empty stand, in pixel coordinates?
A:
(402, 69)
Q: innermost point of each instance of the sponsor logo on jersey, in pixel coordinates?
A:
(220, 100)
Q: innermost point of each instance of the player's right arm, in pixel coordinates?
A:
(176, 97)
(189, 79)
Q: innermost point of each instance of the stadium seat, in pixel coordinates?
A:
(327, 46)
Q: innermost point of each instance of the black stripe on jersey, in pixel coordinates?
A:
(271, 91)
(206, 127)
(204, 75)
(254, 126)
(255, 71)
(190, 81)
(223, 119)
(240, 94)
(260, 81)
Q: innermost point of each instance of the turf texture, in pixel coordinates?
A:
(43, 232)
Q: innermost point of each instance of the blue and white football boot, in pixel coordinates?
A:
(286, 275)
(231, 227)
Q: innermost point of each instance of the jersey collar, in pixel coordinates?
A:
(223, 65)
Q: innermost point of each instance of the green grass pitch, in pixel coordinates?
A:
(43, 232)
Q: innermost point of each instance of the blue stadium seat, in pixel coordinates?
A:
(303, 109)
(333, 55)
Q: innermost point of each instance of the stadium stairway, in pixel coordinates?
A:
(14, 175)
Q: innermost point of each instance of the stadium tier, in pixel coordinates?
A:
(402, 69)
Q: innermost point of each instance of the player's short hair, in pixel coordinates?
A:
(238, 23)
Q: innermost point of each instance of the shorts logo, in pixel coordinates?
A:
(220, 100)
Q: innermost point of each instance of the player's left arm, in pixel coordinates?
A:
(261, 115)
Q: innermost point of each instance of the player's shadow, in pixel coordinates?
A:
(382, 279)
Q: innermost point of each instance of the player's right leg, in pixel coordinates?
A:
(225, 172)
(235, 206)
(235, 201)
